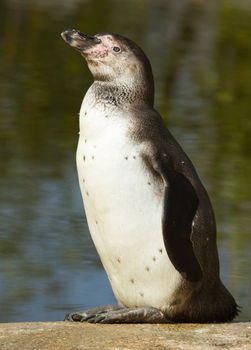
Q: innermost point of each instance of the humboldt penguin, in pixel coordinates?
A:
(149, 215)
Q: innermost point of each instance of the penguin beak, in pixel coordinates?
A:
(78, 40)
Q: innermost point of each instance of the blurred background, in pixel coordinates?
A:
(201, 57)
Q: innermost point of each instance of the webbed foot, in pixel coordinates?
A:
(84, 316)
(119, 314)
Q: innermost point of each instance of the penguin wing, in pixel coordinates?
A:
(180, 205)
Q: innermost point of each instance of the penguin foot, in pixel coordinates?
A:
(83, 316)
(119, 315)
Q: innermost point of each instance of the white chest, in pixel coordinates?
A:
(123, 209)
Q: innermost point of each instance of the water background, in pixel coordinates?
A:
(201, 57)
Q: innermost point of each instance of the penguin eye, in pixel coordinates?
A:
(116, 48)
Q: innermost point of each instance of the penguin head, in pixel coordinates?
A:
(112, 58)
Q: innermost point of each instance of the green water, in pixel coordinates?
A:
(201, 57)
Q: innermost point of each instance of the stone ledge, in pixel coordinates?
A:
(79, 336)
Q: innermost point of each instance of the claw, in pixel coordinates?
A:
(75, 317)
(69, 317)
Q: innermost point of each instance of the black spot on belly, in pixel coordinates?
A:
(132, 280)
(141, 294)
(161, 251)
(106, 116)
(85, 140)
(118, 260)
(126, 158)
(96, 222)
(92, 157)
(84, 158)
(83, 180)
(149, 183)
(154, 259)
(134, 157)
(85, 113)
(87, 193)
(147, 269)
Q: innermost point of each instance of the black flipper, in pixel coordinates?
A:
(180, 206)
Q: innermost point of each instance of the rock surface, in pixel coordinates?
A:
(77, 336)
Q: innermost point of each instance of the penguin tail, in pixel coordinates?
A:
(211, 303)
(216, 304)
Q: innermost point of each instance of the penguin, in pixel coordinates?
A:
(148, 213)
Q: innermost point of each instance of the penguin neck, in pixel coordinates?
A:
(122, 95)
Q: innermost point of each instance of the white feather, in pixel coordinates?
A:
(123, 209)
